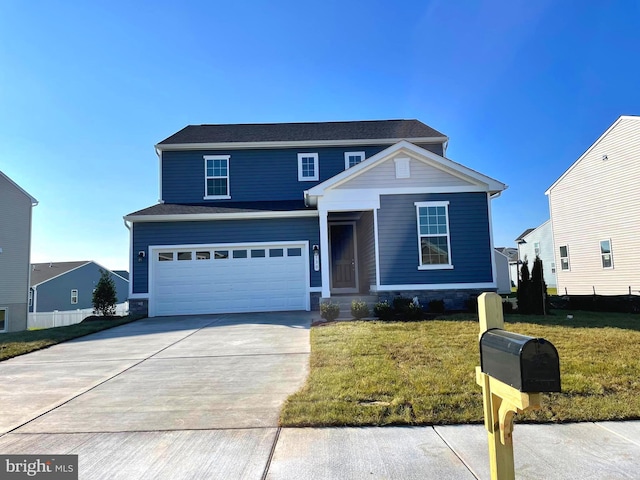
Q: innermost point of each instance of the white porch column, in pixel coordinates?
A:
(324, 253)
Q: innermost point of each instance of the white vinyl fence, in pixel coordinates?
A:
(69, 317)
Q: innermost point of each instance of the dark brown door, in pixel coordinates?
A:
(343, 257)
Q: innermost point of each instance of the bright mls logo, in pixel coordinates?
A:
(51, 467)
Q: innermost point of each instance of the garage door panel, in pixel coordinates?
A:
(220, 285)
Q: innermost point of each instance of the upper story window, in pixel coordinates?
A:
(536, 248)
(434, 242)
(352, 158)
(216, 184)
(606, 254)
(564, 257)
(308, 167)
(74, 296)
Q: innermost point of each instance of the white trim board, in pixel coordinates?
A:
(296, 144)
(190, 217)
(437, 286)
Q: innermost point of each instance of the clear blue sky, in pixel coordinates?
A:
(521, 88)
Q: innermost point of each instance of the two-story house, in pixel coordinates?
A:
(15, 249)
(595, 215)
(538, 242)
(268, 217)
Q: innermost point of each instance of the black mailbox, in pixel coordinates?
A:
(526, 363)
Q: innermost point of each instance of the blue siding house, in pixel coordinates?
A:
(66, 286)
(267, 217)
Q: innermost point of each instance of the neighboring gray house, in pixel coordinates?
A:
(595, 215)
(65, 286)
(503, 280)
(15, 247)
(512, 254)
(539, 242)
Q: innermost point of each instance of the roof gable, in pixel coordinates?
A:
(301, 132)
(431, 170)
(34, 202)
(615, 124)
(44, 272)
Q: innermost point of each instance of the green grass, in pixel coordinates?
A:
(18, 343)
(381, 373)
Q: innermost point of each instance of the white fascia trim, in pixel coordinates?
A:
(296, 144)
(61, 274)
(160, 197)
(535, 229)
(194, 217)
(34, 202)
(419, 154)
(436, 286)
(596, 143)
(130, 228)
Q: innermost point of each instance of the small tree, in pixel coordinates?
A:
(524, 286)
(104, 295)
(537, 288)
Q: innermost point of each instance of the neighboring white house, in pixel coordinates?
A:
(539, 242)
(15, 246)
(595, 215)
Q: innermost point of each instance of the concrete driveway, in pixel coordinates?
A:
(172, 397)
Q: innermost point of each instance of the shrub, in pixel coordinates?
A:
(471, 304)
(401, 304)
(383, 310)
(104, 296)
(359, 309)
(413, 312)
(436, 306)
(507, 307)
(329, 311)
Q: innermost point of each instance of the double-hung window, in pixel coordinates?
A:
(216, 177)
(606, 254)
(74, 296)
(564, 257)
(351, 159)
(434, 241)
(308, 167)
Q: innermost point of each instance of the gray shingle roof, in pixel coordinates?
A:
(41, 272)
(524, 234)
(291, 132)
(236, 207)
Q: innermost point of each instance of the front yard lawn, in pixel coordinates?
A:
(18, 343)
(381, 373)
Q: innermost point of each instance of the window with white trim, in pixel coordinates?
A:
(564, 257)
(351, 159)
(434, 242)
(308, 167)
(606, 254)
(74, 296)
(3, 319)
(216, 182)
(536, 248)
(30, 298)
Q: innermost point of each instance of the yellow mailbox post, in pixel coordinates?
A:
(502, 356)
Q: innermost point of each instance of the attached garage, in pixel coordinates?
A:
(228, 278)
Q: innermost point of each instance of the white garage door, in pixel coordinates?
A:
(228, 278)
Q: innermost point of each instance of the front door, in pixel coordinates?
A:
(344, 268)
